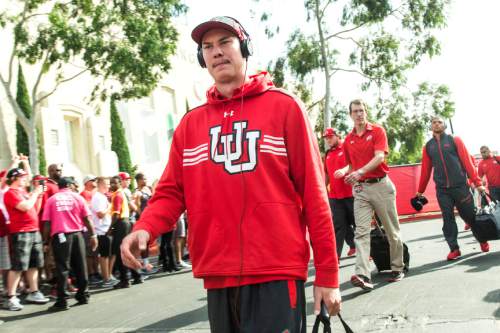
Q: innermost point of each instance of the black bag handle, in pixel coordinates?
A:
(324, 318)
(485, 202)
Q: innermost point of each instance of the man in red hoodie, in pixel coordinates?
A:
(247, 168)
(452, 166)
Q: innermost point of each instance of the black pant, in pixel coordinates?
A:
(277, 306)
(462, 199)
(343, 222)
(69, 253)
(121, 229)
(166, 251)
(495, 193)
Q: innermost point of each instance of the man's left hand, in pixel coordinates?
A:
(330, 296)
(93, 243)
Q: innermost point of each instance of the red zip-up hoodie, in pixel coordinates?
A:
(249, 173)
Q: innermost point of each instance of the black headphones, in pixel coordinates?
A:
(246, 47)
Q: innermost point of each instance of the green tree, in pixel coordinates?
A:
(380, 42)
(124, 43)
(22, 143)
(118, 141)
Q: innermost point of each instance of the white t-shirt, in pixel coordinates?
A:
(100, 203)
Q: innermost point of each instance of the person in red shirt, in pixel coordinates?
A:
(339, 193)
(453, 170)
(27, 251)
(489, 168)
(247, 168)
(365, 149)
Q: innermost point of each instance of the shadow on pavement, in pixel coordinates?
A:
(42, 312)
(494, 297)
(176, 322)
(482, 263)
(426, 238)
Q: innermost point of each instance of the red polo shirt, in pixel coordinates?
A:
(334, 160)
(20, 221)
(360, 149)
(490, 168)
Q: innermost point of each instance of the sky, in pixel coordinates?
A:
(469, 62)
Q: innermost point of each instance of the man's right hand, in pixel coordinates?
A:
(339, 173)
(419, 194)
(132, 246)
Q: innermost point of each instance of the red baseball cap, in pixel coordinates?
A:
(16, 172)
(329, 132)
(123, 175)
(39, 177)
(218, 22)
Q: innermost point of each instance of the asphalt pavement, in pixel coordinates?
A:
(435, 296)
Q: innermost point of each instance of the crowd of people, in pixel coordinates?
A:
(53, 233)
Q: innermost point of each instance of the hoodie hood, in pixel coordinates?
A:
(256, 84)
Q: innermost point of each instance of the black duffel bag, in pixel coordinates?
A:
(486, 225)
(380, 251)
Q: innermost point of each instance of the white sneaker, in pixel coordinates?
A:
(37, 298)
(184, 264)
(13, 304)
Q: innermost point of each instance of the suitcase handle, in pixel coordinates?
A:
(324, 318)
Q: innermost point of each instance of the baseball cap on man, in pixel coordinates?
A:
(39, 177)
(218, 22)
(123, 175)
(64, 182)
(329, 132)
(89, 178)
(16, 172)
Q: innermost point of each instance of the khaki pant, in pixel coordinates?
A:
(381, 198)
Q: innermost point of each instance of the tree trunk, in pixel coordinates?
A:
(33, 144)
(327, 120)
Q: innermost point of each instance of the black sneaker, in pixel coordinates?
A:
(396, 276)
(138, 281)
(59, 306)
(81, 300)
(122, 284)
(362, 282)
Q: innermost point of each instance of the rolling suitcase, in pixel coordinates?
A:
(379, 251)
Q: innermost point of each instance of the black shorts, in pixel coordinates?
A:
(27, 251)
(104, 247)
(276, 306)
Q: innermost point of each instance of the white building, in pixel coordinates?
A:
(76, 132)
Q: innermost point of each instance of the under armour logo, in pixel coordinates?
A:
(228, 149)
(230, 113)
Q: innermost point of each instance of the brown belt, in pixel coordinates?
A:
(372, 180)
